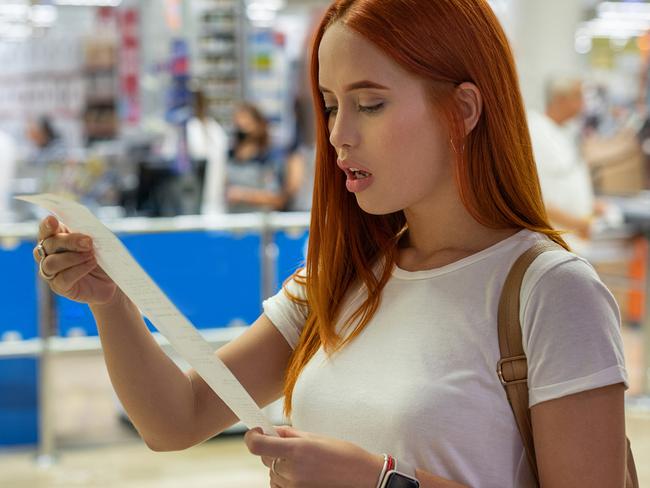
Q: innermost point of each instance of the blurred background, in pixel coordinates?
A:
(188, 124)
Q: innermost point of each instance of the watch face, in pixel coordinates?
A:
(396, 480)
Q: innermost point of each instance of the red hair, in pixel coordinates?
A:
(496, 172)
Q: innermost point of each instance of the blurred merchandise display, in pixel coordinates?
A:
(105, 78)
(129, 66)
(615, 44)
(101, 73)
(219, 71)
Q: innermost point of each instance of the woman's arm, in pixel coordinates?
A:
(580, 439)
(173, 410)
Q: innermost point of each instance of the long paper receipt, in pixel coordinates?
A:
(125, 271)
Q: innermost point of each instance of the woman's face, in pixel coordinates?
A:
(381, 121)
(245, 121)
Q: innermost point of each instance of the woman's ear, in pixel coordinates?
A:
(470, 102)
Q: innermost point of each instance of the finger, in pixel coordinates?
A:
(278, 479)
(287, 431)
(48, 226)
(265, 445)
(60, 243)
(66, 280)
(56, 263)
(267, 461)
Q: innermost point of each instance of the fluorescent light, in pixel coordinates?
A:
(623, 9)
(43, 15)
(267, 4)
(89, 3)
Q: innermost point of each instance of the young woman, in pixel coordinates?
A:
(425, 194)
(253, 174)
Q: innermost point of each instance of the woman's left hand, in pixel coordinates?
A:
(314, 461)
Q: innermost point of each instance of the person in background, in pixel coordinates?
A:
(49, 144)
(300, 167)
(253, 178)
(567, 188)
(7, 173)
(208, 148)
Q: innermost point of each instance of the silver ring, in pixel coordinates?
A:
(273, 466)
(43, 274)
(40, 250)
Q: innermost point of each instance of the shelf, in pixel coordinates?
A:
(218, 64)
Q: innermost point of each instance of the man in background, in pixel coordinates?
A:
(564, 176)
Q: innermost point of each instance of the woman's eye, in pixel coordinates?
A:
(371, 108)
(331, 110)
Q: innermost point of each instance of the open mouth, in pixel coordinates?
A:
(357, 174)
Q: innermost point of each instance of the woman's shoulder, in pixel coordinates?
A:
(565, 281)
(559, 265)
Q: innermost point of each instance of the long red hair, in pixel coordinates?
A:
(445, 42)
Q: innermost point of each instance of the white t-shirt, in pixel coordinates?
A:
(563, 174)
(419, 382)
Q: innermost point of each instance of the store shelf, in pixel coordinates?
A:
(219, 66)
(101, 80)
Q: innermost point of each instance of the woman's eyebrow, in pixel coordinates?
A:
(358, 85)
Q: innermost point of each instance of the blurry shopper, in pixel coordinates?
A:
(253, 180)
(298, 181)
(565, 180)
(208, 149)
(299, 169)
(47, 141)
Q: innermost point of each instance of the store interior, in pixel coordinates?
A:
(137, 109)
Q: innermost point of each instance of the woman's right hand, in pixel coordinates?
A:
(71, 263)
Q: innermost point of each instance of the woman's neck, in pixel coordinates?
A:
(443, 232)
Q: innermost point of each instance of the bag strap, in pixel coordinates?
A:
(512, 368)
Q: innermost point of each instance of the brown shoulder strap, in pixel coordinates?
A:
(512, 368)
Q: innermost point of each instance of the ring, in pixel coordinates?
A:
(273, 466)
(43, 274)
(40, 250)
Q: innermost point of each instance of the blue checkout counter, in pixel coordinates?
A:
(214, 277)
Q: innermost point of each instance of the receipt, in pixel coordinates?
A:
(118, 263)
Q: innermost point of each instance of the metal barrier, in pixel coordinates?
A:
(49, 344)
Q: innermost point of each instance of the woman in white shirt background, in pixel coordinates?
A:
(425, 194)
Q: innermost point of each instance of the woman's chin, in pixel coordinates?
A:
(376, 207)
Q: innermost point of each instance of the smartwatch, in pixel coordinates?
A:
(400, 475)
(395, 479)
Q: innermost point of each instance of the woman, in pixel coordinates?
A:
(425, 194)
(252, 181)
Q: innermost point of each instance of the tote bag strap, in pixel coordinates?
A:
(512, 368)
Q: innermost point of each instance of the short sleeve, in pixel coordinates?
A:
(571, 329)
(286, 315)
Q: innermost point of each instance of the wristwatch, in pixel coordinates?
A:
(395, 479)
(400, 476)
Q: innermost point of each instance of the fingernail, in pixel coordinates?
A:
(85, 243)
(48, 224)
